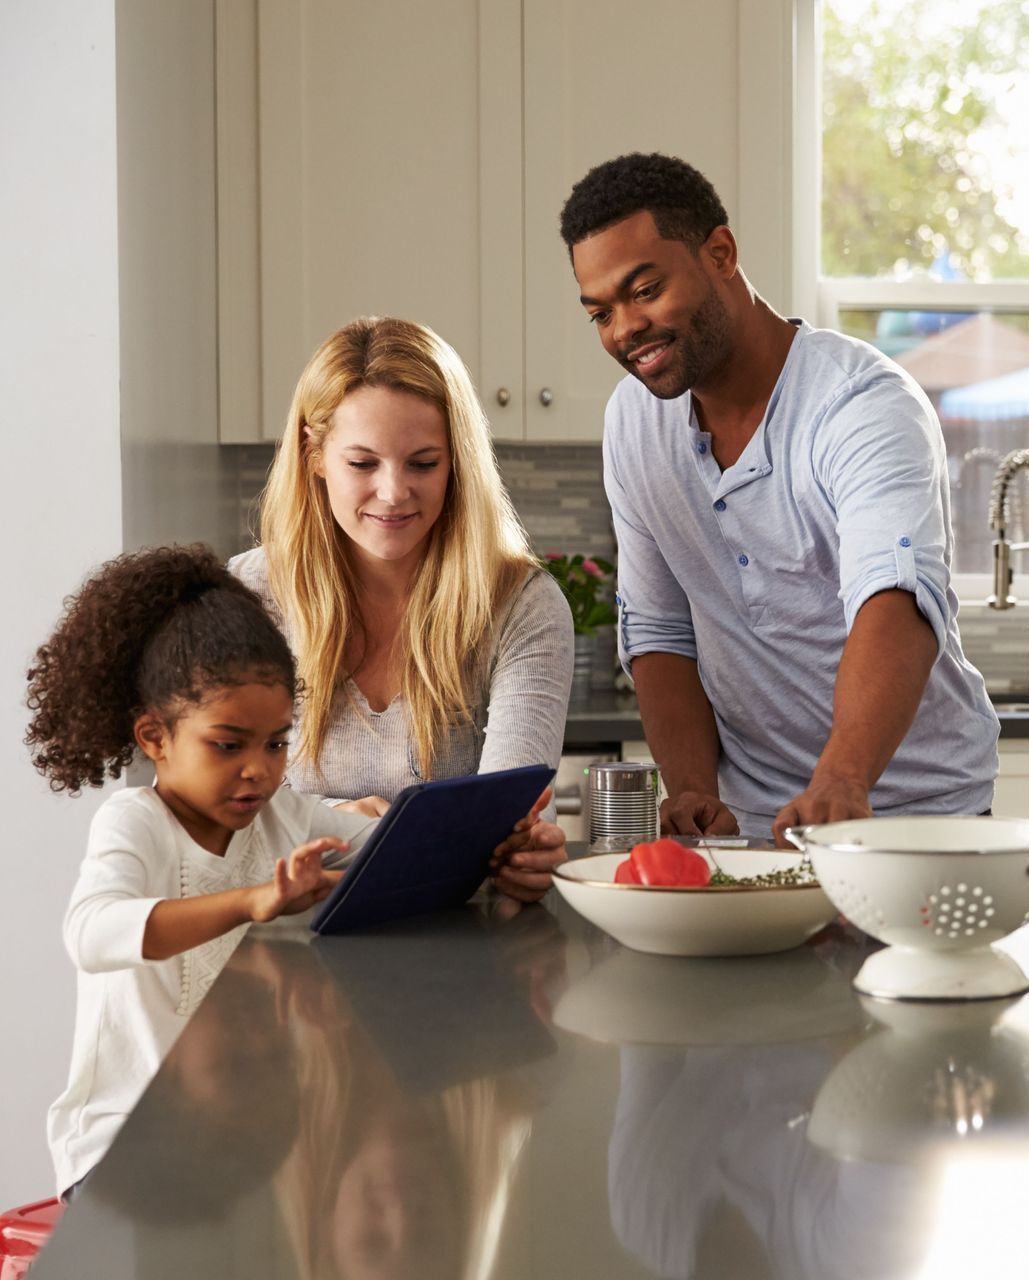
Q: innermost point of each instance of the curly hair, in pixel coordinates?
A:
(154, 631)
(684, 205)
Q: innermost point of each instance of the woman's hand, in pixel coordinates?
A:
(297, 883)
(521, 864)
(370, 806)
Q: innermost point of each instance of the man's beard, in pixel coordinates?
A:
(696, 352)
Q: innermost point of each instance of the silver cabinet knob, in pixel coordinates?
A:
(546, 397)
(503, 396)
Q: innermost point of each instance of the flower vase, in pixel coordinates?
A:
(582, 669)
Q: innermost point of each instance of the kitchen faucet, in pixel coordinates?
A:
(1000, 519)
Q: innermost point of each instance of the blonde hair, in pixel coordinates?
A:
(480, 1127)
(477, 551)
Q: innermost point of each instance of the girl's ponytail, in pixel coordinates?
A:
(150, 631)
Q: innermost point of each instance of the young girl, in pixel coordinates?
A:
(167, 652)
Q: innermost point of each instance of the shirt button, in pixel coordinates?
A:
(905, 542)
(743, 560)
(719, 505)
(702, 447)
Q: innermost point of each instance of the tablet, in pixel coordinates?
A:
(431, 848)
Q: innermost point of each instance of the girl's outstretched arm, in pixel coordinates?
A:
(180, 924)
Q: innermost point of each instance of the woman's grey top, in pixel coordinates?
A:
(519, 702)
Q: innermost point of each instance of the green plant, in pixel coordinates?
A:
(582, 580)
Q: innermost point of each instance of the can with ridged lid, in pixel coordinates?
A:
(622, 800)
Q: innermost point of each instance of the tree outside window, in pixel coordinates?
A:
(925, 218)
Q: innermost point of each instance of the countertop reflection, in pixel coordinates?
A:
(505, 1092)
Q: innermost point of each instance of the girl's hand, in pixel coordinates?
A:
(370, 806)
(521, 864)
(297, 883)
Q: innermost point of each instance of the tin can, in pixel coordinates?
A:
(622, 801)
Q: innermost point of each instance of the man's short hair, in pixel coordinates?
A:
(684, 205)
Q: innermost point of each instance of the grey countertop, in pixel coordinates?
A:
(605, 718)
(454, 1098)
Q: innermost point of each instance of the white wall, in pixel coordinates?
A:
(61, 508)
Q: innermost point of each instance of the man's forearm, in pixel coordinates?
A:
(678, 722)
(881, 678)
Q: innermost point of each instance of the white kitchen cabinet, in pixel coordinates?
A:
(1011, 795)
(412, 159)
(348, 146)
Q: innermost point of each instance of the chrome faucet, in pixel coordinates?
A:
(1000, 521)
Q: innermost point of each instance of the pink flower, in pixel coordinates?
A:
(592, 568)
(552, 555)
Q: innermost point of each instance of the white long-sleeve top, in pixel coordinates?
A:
(129, 1010)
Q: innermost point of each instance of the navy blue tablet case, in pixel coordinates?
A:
(432, 847)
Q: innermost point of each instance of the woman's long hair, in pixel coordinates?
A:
(477, 551)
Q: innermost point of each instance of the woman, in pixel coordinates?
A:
(430, 642)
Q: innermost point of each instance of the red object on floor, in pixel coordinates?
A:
(23, 1232)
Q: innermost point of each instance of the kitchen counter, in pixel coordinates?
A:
(508, 1094)
(606, 718)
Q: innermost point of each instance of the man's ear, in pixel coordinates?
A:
(720, 246)
(151, 734)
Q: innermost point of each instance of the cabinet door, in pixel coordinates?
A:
(349, 184)
(1011, 794)
(600, 80)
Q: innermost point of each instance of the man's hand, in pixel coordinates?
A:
(828, 798)
(693, 813)
(882, 675)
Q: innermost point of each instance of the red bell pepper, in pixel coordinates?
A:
(664, 862)
(626, 873)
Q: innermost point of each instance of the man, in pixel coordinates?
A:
(782, 513)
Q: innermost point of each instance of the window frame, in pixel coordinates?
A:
(824, 297)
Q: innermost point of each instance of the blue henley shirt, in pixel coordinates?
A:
(759, 571)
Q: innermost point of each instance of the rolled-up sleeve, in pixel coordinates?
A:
(882, 462)
(653, 610)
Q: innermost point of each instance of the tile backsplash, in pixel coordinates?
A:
(997, 642)
(558, 491)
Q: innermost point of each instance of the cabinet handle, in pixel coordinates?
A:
(503, 396)
(546, 397)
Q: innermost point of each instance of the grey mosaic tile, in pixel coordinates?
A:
(558, 492)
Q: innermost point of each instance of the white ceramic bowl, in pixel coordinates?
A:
(939, 891)
(678, 921)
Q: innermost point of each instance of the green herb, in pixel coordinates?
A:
(788, 876)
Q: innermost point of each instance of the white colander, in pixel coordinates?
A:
(939, 891)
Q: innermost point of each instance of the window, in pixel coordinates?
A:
(924, 238)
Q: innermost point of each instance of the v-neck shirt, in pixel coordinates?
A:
(758, 571)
